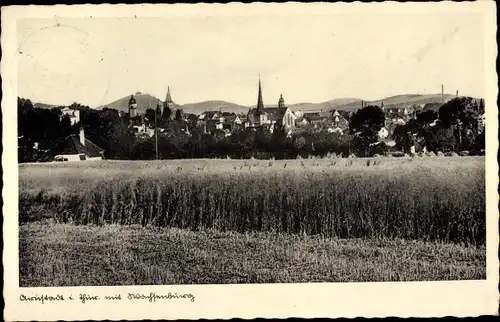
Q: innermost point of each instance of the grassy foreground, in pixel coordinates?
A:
(438, 199)
(68, 255)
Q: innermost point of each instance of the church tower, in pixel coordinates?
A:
(281, 102)
(259, 114)
(132, 107)
(260, 102)
(168, 99)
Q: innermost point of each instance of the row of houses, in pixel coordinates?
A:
(262, 117)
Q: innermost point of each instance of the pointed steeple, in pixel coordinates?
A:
(168, 99)
(260, 102)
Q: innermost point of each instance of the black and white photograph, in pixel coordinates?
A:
(199, 146)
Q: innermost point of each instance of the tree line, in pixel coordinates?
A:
(454, 127)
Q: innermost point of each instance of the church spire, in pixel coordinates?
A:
(168, 99)
(260, 103)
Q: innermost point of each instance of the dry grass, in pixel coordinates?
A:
(68, 255)
(429, 199)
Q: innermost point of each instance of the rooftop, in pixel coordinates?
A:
(72, 145)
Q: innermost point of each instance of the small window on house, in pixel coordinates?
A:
(82, 157)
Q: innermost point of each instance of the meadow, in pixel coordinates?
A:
(332, 219)
(429, 199)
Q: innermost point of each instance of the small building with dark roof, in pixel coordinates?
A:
(78, 148)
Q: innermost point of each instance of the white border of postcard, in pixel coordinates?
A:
(416, 299)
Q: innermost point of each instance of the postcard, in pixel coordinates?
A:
(255, 160)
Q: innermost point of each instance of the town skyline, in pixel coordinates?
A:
(267, 102)
(305, 58)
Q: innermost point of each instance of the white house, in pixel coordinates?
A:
(140, 128)
(74, 115)
(335, 130)
(383, 133)
(78, 148)
(298, 114)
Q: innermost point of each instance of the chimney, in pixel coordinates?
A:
(457, 92)
(442, 94)
(82, 136)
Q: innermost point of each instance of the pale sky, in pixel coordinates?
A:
(95, 61)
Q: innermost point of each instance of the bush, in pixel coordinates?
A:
(440, 154)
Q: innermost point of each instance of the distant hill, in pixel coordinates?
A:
(398, 101)
(324, 106)
(43, 105)
(144, 101)
(200, 107)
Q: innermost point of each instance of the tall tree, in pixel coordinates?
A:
(461, 113)
(425, 119)
(150, 116)
(166, 115)
(365, 125)
(403, 138)
(160, 119)
(178, 115)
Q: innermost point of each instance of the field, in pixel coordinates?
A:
(236, 221)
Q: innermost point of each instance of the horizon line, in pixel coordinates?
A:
(242, 105)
